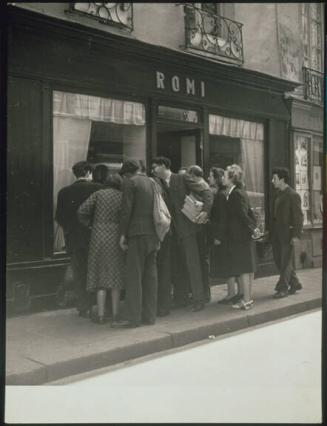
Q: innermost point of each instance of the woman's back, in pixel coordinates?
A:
(107, 206)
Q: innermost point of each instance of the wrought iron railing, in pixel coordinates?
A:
(119, 14)
(313, 85)
(212, 33)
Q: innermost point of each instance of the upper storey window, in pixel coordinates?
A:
(312, 30)
(119, 14)
(206, 30)
(311, 18)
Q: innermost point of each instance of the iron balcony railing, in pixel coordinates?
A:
(213, 34)
(117, 14)
(313, 85)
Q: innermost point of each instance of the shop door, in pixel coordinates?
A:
(182, 147)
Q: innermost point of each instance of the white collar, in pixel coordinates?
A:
(167, 179)
(229, 192)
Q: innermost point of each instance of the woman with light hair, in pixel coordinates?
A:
(240, 227)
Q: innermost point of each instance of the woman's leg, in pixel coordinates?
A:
(231, 287)
(115, 298)
(240, 289)
(101, 301)
(246, 284)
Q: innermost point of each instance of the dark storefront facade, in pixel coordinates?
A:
(76, 93)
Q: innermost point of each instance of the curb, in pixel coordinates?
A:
(44, 374)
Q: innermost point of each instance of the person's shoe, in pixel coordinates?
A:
(280, 294)
(117, 323)
(197, 307)
(163, 312)
(226, 301)
(295, 288)
(128, 324)
(148, 322)
(237, 298)
(230, 300)
(243, 305)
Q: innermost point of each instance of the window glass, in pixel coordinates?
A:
(177, 114)
(317, 163)
(241, 142)
(94, 129)
(302, 146)
(312, 33)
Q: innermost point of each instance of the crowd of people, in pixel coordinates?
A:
(116, 253)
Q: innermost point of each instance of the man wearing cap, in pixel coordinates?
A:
(140, 241)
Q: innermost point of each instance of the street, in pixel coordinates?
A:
(269, 373)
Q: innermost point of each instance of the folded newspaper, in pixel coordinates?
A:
(192, 207)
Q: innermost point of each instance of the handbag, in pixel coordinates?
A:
(161, 215)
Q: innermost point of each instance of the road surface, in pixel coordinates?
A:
(270, 373)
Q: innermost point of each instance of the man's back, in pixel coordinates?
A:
(137, 208)
(69, 199)
(287, 213)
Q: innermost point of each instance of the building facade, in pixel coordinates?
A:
(210, 83)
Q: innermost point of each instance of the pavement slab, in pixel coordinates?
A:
(47, 346)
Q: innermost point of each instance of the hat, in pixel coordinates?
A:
(129, 166)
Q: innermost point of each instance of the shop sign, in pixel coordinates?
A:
(184, 85)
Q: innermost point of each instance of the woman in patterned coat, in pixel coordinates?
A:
(101, 213)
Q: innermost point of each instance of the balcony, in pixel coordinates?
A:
(213, 35)
(117, 14)
(313, 85)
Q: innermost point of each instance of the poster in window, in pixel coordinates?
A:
(317, 207)
(301, 153)
(304, 180)
(316, 178)
(298, 179)
(305, 199)
(305, 217)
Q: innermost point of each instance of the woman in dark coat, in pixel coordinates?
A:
(240, 228)
(105, 261)
(217, 224)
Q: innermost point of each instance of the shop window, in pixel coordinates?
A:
(308, 172)
(118, 14)
(99, 130)
(241, 142)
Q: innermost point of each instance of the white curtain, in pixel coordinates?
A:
(251, 135)
(98, 109)
(71, 138)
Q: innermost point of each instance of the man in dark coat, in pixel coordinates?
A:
(286, 229)
(139, 239)
(77, 236)
(177, 187)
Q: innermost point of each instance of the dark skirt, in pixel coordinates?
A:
(240, 257)
(218, 259)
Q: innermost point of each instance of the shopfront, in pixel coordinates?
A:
(77, 94)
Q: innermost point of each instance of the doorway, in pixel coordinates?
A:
(181, 146)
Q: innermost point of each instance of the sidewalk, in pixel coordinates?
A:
(47, 346)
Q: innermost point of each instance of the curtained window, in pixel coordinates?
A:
(94, 129)
(241, 142)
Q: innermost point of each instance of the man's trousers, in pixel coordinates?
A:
(283, 255)
(141, 278)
